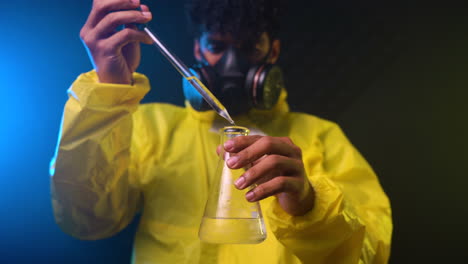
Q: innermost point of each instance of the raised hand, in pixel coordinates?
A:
(115, 53)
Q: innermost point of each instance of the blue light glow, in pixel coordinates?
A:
(40, 56)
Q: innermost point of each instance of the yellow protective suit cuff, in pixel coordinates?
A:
(88, 91)
(328, 199)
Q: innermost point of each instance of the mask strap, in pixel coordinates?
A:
(268, 53)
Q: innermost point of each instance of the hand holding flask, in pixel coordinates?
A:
(229, 218)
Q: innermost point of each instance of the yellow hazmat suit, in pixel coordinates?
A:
(116, 158)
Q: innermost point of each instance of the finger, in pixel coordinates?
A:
(103, 7)
(261, 147)
(110, 22)
(274, 186)
(113, 44)
(270, 167)
(239, 143)
(144, 8)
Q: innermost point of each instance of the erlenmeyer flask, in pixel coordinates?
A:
(229, 218)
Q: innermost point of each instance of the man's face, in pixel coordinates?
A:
(213, 45)
(232, 61)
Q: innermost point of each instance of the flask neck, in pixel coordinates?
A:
(234, 131)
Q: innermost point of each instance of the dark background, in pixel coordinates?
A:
(393, 76)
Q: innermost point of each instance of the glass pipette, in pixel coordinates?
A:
(190, 77)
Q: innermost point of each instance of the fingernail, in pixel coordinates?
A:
(249, 196)
(146, 14)
(135, 1)
(228, 145)
(232, 161)
(239, 182)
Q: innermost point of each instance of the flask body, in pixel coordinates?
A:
(229, 218)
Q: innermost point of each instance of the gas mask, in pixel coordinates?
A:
(238, 85)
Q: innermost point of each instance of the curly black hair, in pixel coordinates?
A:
(245, 20)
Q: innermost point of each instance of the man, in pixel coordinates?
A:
(321, 200)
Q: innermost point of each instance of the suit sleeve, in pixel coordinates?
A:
(94, 187)
(351, 221)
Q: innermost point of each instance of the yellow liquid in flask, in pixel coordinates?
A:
(233, 230)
